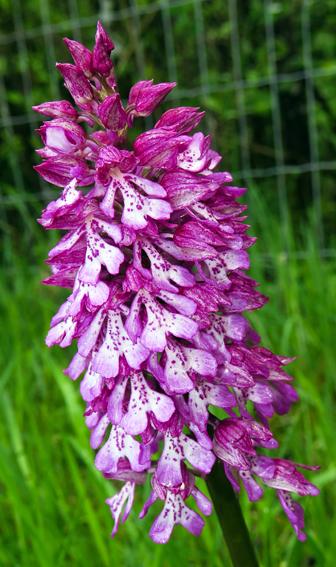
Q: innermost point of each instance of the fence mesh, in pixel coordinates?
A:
(264, 85)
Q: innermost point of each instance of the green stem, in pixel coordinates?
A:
(231, 519)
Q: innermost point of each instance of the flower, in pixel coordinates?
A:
(154, 255)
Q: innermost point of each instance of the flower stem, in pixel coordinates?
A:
(231, 519)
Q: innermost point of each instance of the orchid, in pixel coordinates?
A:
(155, 258)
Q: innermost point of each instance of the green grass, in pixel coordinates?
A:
(51, 497)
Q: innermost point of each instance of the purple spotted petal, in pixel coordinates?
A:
(121, 500)
(142, 403)
(118, 446)
(116, 344)
(175, 512)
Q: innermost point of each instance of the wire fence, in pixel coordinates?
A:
(207, 85)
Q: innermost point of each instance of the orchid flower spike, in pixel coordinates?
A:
(154, 254)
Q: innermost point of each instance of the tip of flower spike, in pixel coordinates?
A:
(102, 34)
(101, 62)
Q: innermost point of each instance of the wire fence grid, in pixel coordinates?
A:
(75, 24)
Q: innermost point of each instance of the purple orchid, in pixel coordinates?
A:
(155, 254)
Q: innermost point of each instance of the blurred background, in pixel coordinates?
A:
(265, 73)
